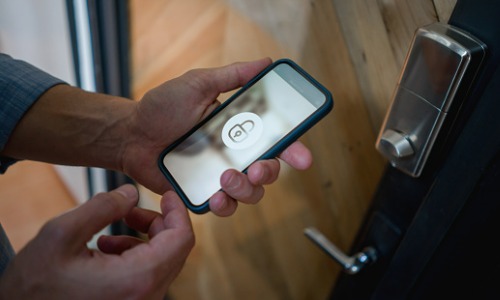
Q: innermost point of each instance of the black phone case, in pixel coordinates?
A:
(273, 151)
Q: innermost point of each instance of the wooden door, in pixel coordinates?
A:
(356, 49)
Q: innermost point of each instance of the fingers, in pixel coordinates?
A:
(222, 205)
(210, 108)
(264, 172)
(176, 215)
(238, 186)
(297, 155)
(212, 82)
(233, 76)
(117, 244)
(151, 222)
(139, 219)
(174, 241)
(248, 188)
(145, 221)
(78, 226)
(174, 219)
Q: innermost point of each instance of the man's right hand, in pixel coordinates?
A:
(57, 264)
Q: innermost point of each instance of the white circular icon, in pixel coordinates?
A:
(242, 131)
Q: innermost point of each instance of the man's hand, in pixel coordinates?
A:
(170, 110)
(57, 264)
(70, 126)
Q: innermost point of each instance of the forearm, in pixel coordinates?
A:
(73, 127)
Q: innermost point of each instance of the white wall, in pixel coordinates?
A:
(37, 31)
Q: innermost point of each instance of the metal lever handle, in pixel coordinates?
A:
(351, 264)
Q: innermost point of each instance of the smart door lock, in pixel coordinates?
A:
(439, 70)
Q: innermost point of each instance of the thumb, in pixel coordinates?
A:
(236, 75)
(78, 226)
(214, 81)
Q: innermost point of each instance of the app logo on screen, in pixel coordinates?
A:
(242, 131)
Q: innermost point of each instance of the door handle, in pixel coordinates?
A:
(351, 264)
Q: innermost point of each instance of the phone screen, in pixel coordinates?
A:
(240, 133)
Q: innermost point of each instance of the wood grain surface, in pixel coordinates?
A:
(355, 48)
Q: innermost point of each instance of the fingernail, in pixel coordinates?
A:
(233, 182)
(128, 191)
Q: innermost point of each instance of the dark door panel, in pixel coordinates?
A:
(435, 235)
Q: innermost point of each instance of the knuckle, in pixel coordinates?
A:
(196, 77)
(256, 195)
(247, 192)
(202, 80)
(108, 201)
(270, 171)
(53, 230)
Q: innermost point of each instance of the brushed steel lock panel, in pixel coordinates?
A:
(439, 69)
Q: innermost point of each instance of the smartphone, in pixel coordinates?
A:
(258, 122)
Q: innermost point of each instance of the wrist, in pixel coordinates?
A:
(67, 125)
(113, 134)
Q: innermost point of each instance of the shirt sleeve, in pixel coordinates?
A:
(21, 84)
